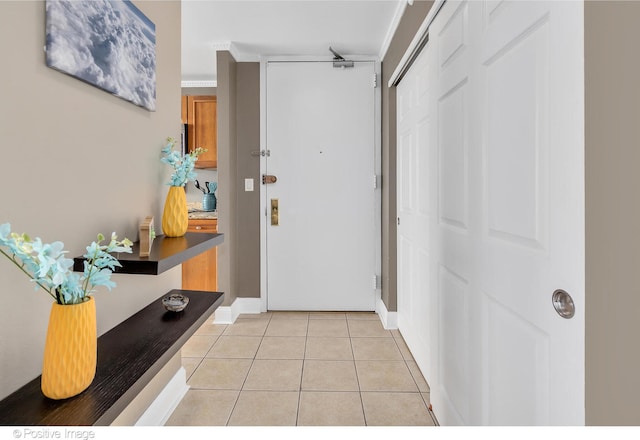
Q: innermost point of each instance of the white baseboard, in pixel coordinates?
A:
(163, 406)
(223, 315)
(389, 319)
(229, 314)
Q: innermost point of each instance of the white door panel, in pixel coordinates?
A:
(456, 220)
(507, 229)
(321, 137)
(416, 207)
(531, 71)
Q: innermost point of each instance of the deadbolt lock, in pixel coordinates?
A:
(267, 179)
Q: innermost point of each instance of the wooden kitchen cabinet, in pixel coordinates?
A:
(202, 131)
(184, 105)
(201, 271)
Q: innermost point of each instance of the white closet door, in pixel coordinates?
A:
(531, 80)
(507, 110)
(415, 197)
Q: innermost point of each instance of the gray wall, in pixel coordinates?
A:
(612, 156)
(411, 20)
(248, 166)
(227, 175)
(238, 136)
(77, 161)
(238, 211)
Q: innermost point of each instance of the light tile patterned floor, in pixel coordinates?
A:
(301, 369)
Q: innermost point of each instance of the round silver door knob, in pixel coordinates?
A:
(563, 303)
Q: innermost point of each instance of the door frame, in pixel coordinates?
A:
(263, 166)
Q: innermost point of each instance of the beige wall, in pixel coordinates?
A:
(612, 156)
(76, 161)
(412, 18)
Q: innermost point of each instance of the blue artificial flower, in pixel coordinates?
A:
(46, 265)
(182, 165)
(101, 278)
(47, 255)
(5, 231)
(62, 270)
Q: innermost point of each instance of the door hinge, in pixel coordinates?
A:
(377, 180)
(263, 153)
(377, 281)
(375, 80)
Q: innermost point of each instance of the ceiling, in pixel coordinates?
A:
(260, 28)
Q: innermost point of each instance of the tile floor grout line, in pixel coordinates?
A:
(355, 367)
(304, 358)
(235, 404)
(204, 357)
(427, 404)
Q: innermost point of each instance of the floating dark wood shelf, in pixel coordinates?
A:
(166, 252)
(129, 356)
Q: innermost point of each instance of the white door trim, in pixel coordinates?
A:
(263, 162)
(263, 199)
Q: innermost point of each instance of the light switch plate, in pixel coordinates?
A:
(248, 184)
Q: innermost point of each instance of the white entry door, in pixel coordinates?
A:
(321, 254)
(505, 225)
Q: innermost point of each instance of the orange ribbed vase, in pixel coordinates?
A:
(70, 350)
(175, 217)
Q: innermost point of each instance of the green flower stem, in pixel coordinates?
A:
(13, 260)
(91, 266)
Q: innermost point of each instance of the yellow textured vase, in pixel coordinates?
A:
(175, 217)
(70, 351)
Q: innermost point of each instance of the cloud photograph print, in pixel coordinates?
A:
(110, 44)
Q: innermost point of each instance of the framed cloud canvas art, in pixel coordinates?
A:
(110, 44)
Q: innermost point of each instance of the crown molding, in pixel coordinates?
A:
(199, 84)
(402, 5)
